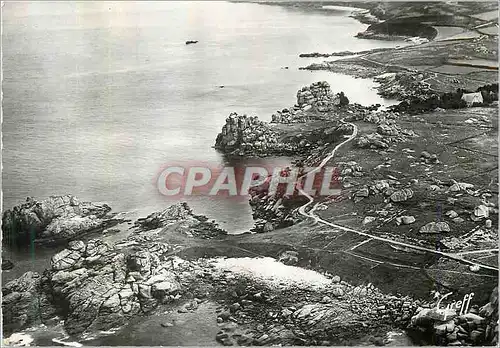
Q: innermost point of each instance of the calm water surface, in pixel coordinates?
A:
(98, 96)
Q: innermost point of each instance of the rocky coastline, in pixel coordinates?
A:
(248, 136)
(94, 286)
(398, 29)
(169, 260)
(391, 178)
(341, 53)
(54, 220)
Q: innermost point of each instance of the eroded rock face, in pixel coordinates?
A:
(320, 318)
(93, 285)
(402, 195)
(479, 328)
(312, 101)
(248, 135)
(97, 286)
(435, 227)
(54, 218)
(334, 314)
(320, 97)
(242, 135)
(24, 303)
(102, 286)
(193, 225)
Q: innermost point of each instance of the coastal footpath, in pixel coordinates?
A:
(171, 259)
(417, 217)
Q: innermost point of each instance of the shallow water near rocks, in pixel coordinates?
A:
(89, 112)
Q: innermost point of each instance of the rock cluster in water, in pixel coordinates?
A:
(248, 136)
(57, 218)
(184, 219)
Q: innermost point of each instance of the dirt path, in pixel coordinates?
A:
(311, 214)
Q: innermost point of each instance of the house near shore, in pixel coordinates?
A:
(471, 98)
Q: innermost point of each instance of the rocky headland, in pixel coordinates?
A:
(248, 136)
(417, 216)
(53, 220)
(95, 286)
(171, 260)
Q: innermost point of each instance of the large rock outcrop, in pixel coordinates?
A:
(57, 218)
(319, 97)
(186, 221)
(97, 286)
(24, 303)
(91, 286)
(312, 101)
(477, 327)
(248, 135)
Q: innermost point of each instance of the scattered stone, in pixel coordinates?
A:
(401, 195)
(373, 141)
(337, 291)
(289, 257)
(326, 299)
(474, 268)
(451, 214)
(425, 155)
(481, 211)
(429, 158)
(405, 220)
(460, 186)
(435, 227)
(363, 192)
(369, 219)
(225, 315)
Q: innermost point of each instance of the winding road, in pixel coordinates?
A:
(317, 219)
